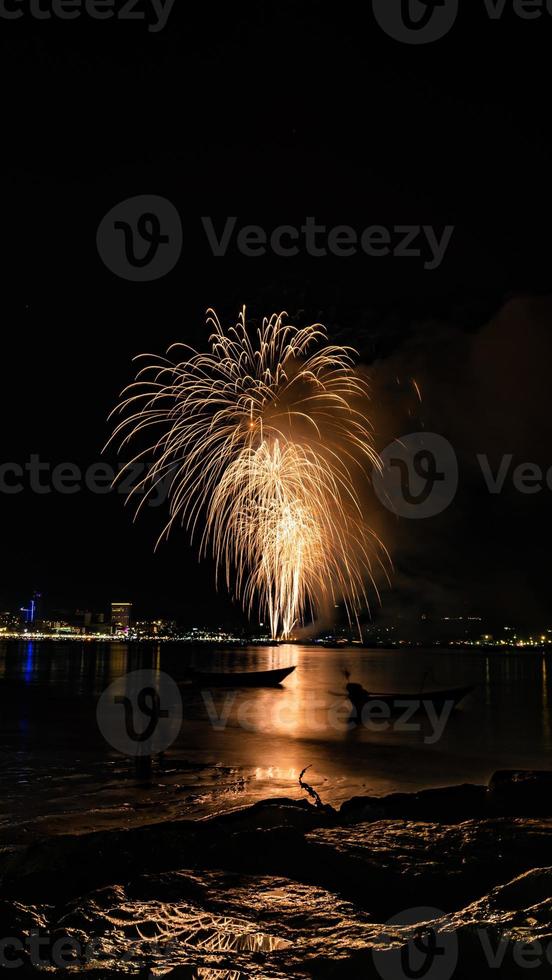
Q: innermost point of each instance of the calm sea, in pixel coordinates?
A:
(58, 774)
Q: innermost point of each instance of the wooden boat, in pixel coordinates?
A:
(398, 703)
(258, 678)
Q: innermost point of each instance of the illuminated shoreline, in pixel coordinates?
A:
(528, 645)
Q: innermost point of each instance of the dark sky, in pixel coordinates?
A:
(273, 112)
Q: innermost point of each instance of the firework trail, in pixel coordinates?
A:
(263, 445)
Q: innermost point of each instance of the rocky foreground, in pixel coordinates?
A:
(442, 883)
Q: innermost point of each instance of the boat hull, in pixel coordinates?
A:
(399, 703)
(262, 678)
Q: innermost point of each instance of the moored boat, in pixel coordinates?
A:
(258, 678)
(396, 703)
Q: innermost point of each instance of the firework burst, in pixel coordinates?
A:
(263, 441)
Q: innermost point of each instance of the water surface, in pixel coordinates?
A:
(57, 774)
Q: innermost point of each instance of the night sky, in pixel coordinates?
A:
(274, 112)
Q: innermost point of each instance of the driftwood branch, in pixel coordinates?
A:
(308, 788)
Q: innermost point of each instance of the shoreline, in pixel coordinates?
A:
(285, 887)
(535, 649)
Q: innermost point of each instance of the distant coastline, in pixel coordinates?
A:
(526, 647)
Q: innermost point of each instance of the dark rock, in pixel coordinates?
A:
(510, 793)
(63, 866)
(286, 888)
(280, 812)
(389, 865)
(268, 929)
(525, 793)
(448, 805)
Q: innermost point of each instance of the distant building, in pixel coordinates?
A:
(9, 622)
(148, 628)
(83, 618)
(33, 612)
(120, 617)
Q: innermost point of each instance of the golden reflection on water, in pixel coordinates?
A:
(309, 704)
(545, 703)
(116, 664)
(487, 681)
(274, 772)
(274, 733)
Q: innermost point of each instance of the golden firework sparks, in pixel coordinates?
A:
(261, 438)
